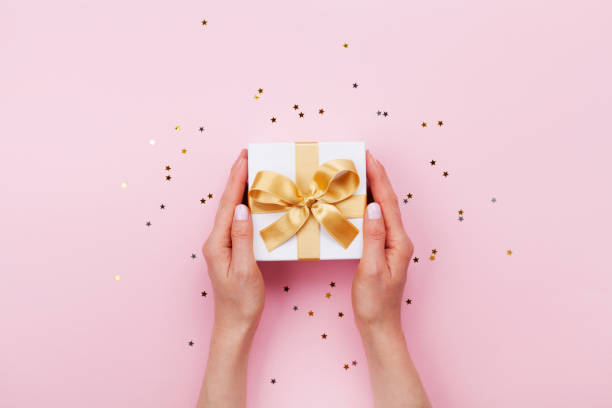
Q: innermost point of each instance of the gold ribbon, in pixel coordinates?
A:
(326, 193)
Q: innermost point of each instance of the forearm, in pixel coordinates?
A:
(224, 383)
(395, 381)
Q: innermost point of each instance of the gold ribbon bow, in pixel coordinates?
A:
(329, 198)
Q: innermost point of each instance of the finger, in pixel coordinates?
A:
(383, 194)
(242, 239)
(231, 197)
(374, 235)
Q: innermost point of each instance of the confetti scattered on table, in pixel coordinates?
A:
(260, 90)
(202, 201)
(434, 251)
(415, 259)
(204, 293)
(340, 314)
(296, 107)
(168, 168)
(193, 256)
(321, 111)
(162, 206)
(210, 195)
(332, 284)
(201, 129)
(433, 162)
(204, 22)
(460, 218)
(310, 313)
(168, 177)
(328, 295)
(148, 223)
(409, 196)
(385, 114)
(117, 277)
(295, 308)
(273, 120)
(345, 45)
(405, 201)
(273, 381)
(184, 151)
(423, 124)
(191, 343)
(440, 123)
(355, 85)
(301, 115)
(408, 301)
(346, 366)
(286, 288)
(509, 252)
(324, 336)
(445, 174)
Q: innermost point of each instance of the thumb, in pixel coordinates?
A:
(374, 234)
(242, 237)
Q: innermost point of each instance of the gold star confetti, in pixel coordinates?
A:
(509, 252)
(345, 45)
(296, 107)
(324, 336)
(260, 90)
(184, 151)
(328, 295)
(440, 123)
(424, 124)
(432, 258)
(273, 120)
(340, 314)
(321, 111)
(210, 195)
(124, 185)
(445, 174)
(117, 277)
(256, 96)
(460, 212)
(310, 313)
(177, 128)
(204, 22)
(346, 366)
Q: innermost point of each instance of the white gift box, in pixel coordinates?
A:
(281, 158)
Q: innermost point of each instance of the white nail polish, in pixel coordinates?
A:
(373, 211)
(241, 212)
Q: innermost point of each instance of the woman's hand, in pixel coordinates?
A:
(378, 285)
(377, 291)
(237, 282)
(238, 292)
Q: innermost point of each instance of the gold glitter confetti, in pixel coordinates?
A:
(460, 212)
(117, 277)
(124, 185)
(509, 252)
(432, 258)
(328, 295)
(184, 151)
(177, 128)
(345, 45)
(256, 97)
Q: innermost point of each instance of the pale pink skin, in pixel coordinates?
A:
(377, 290)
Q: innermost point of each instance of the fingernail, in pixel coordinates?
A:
(373, 211)
(241, 212)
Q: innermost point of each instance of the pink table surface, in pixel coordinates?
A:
(523, 89)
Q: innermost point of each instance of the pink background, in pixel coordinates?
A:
(523, 88)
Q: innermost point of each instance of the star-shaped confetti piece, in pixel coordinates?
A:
(286, 288)
(378, 113)
(310, 313)
(204, 293)
(202, 201)
(440, 123)
(256, 96)
(494, 200)
(460, 218)
(328, 295)
(346, 367)
(201, 129)
(445, 174)
(415, 259)
(355, 85)
(408, 301)
(191, 343)
(193, 256)
(177, 128)
(409, 196)
(385, 114)
(210, 195)
(433, 162)
(340, 314)
(295, 308)
(405, 201)
(296, 107)
(162, 206)
(345, 45)
(260, 90)
(321, 111)
(324, 336)
(423, 124)
(509, 252)
(460, 212)
(332, 284)
(301, 114)
(273, 381)
(354, 363)
(168, 177)
(148, 223)
(434, 251)
(273, 120)
(204, 22)
(168, 168)
(184, 151)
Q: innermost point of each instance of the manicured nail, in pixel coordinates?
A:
(241, 212)
(374, 211)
